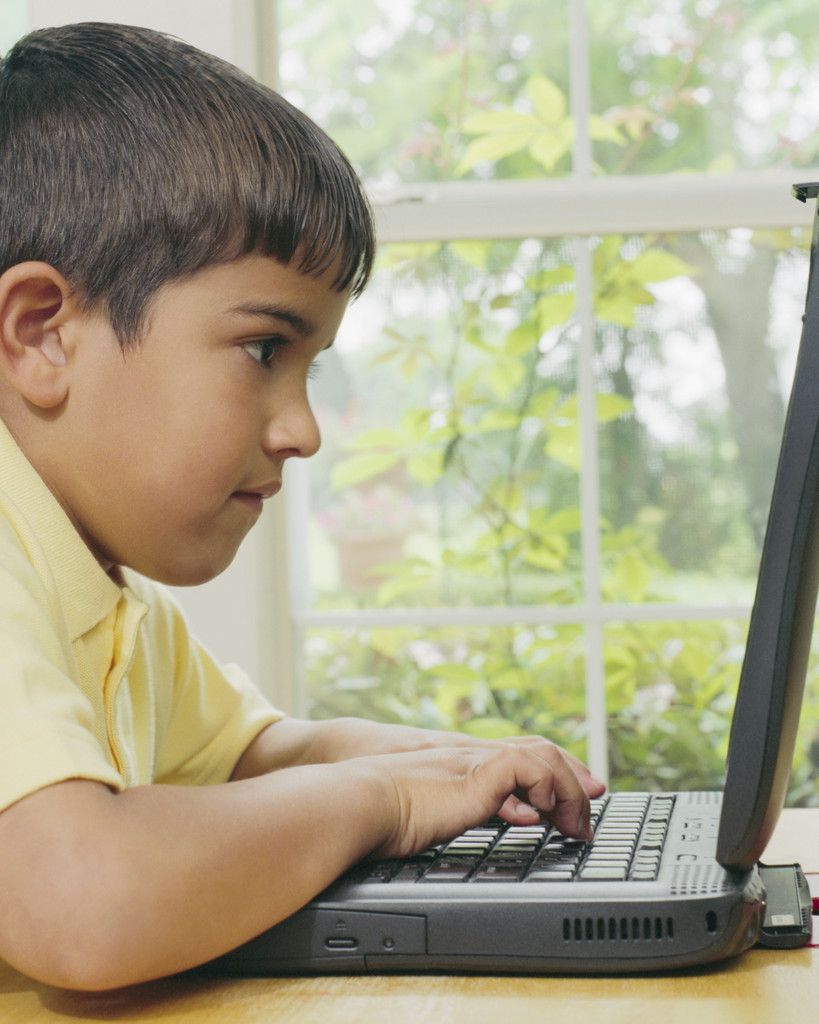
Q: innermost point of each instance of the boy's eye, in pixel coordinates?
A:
(263, 349)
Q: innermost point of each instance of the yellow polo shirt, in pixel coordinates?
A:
(99, 680)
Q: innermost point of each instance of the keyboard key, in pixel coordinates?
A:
(498, 873)
(449, 869)
(544, 875)
(603, 874)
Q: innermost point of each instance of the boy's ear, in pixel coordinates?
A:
(35, 302)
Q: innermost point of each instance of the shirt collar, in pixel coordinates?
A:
(85, 591)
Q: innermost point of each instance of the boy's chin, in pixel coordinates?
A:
(189, 570)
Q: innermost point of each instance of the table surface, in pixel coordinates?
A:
(761, 985)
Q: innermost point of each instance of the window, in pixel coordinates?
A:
(551, 424)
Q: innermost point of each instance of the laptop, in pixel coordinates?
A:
(670, 880)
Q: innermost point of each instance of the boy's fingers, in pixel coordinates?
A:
(593, 786)
(571, 811)
(551, 787)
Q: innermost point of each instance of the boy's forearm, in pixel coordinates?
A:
(284, 744)
(294, 741)
(107, 890)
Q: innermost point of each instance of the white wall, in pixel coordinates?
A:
(208, 24)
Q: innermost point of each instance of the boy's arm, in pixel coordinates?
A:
(102, 889)
(294, 741)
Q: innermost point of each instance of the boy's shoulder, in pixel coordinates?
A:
(42, 553)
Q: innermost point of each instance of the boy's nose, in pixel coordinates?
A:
(292, 430)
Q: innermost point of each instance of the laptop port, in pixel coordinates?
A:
(341, 942)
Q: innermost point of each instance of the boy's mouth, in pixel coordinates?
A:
(254, 498)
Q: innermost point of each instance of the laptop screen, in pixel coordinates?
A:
(766, 716)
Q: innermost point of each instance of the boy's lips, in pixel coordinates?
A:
(254, 497)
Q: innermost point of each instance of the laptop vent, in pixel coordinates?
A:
(704, 798)
(698, 880)
(618, 929)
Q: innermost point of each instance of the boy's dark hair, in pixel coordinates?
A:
(129, 158)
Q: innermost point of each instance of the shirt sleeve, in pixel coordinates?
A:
(47, 725)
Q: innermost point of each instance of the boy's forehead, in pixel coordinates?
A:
(263, 288)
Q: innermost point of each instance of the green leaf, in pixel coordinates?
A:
(612, 407)
(400, 586)
(493, 147)
(476, 254)
(379, 438)
(500, 122)
(563, 445)
(555, 309)
(415, 423)
(409, 366)
(565, 521)
(630, 578)
(358, 468)
(497, 419)
(543, 558)
(563, 442)
(542, 405)
(411, 252)
(543, 280)
(509, 678)
(602, 130)
(488, 728)
(619, 305)
(504, 376)
(509, 496)
(521, 340)
(427, 467)
(455, 672)
(723, 164)
(654, 265)
(548, 100)
(606, 254)
(551, 144)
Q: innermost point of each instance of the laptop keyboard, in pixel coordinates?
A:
(630, 830)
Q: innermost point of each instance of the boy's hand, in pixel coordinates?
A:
(437, 784)
(440, 792)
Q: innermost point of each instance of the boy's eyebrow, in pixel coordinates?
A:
(262, 311)
(301, 325)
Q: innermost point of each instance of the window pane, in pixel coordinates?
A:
(488, 682)
(697, 337)
(402, 85)
(670, 690)
(13, 24)
(450, 433)
(704, 86)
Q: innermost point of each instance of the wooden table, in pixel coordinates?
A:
(758, 988)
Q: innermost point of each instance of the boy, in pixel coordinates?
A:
(177, 247)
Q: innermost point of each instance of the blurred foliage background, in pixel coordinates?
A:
(450, 471)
